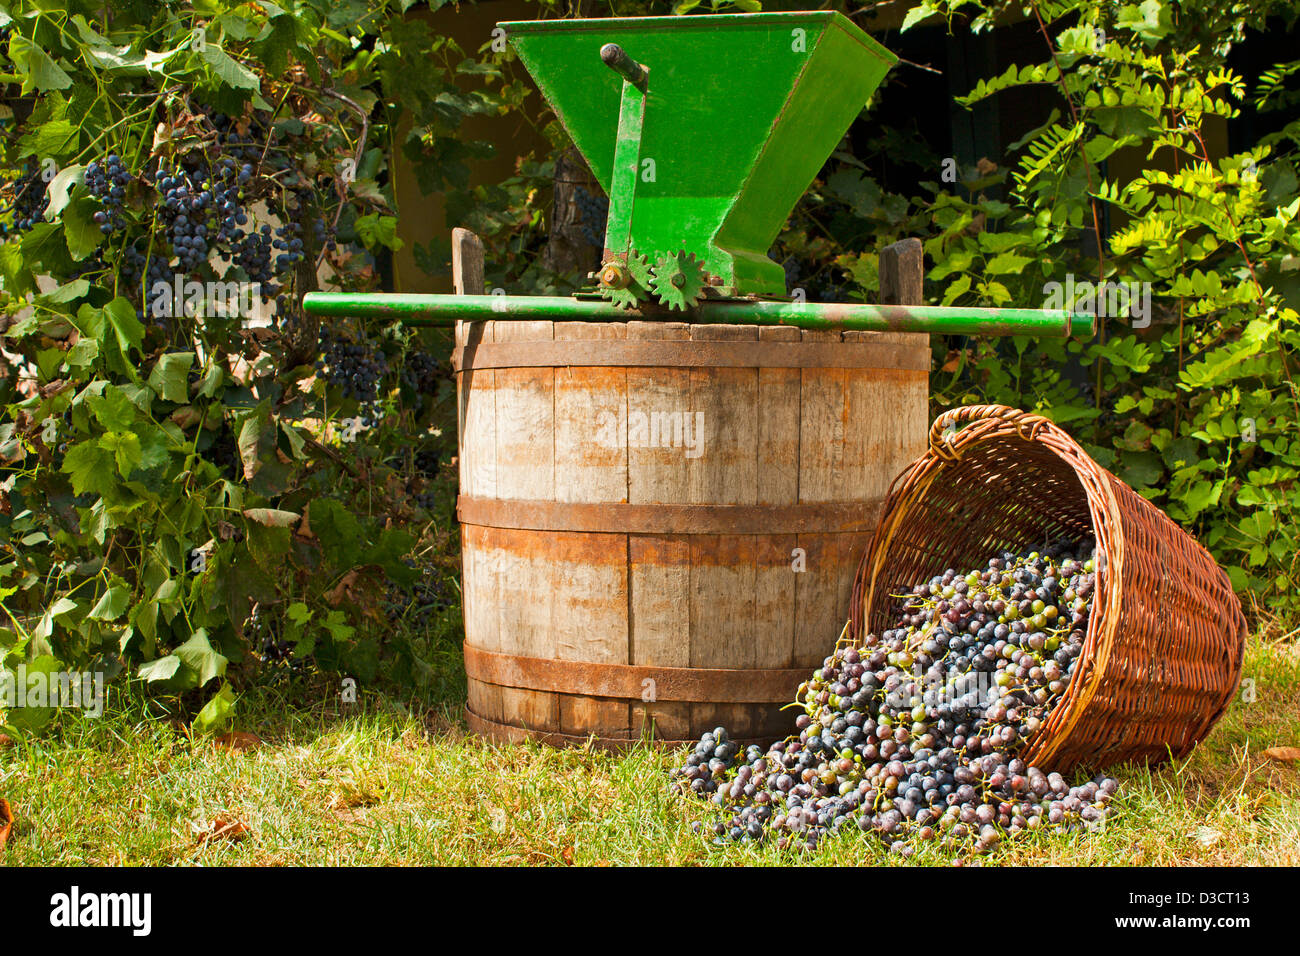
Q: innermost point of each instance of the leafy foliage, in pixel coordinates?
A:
(181, 487)
(1196, 407)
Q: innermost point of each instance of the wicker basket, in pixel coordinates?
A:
(1163, 652)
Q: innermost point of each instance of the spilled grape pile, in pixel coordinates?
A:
(913, 735)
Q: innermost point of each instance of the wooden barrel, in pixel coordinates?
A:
(660, 522)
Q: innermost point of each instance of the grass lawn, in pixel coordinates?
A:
(379, 783)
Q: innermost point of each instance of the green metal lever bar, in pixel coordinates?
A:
(446, 310)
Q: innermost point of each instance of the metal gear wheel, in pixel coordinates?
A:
(627, 285)
(679, 280)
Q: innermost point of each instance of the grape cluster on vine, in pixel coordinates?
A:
(914, 734)
(594, 212)
(420, 371)
(107, 182)
(420, 604)
(30, 200)
(357, 368)
(202, 207)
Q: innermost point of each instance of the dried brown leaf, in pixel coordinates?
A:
(225, 828)
(237, 741)
(1288, 754)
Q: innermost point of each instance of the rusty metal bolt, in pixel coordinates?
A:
(614, 276)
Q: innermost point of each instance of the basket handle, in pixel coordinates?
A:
(942, 440)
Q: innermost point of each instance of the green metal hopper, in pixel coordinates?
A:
(705, 131)
(717, 135)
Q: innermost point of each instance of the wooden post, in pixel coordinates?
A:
(466, 262)
(902, 271)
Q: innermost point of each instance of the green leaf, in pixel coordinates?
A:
(83, 353)
(164, 668)
(916, 14)
(112, 605)
(339, 629)
(39, 71)
(956, 289)
(272, 517)
(125, 447)
(60, 189)
(255, 434)
(217, 712)
(90, 469)
(43, 245)
(1008, 263)
(18, 279)
(213, 378)
(30, 718)
(375, 230)
(126, 328)
(113, 409)
(229, 71)
(169, 378)
(201, 657)
(297, 444)
(393, 545)
(338, 531)
(80, 230)
(68, 292)
(268, 545)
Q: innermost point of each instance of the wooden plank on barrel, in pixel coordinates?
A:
(723, 587)
(525, 434)
(724, 568)
(484, 699)
(660, 625)
(778, 425)
(590, 407)
(823, 429)
(778, 483)
(724, 469)
(822, 425)
(820, 611)
(902, 273)
(591, 609)
(738, 719)
(477, 416)
(525, 420)
(520, 562)
(851, 547)
(476, 461)
(590, 621)
(660, 620)
(591, 466)
(655, 475)
(775, 595)
(466, 262)
(480, 587)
